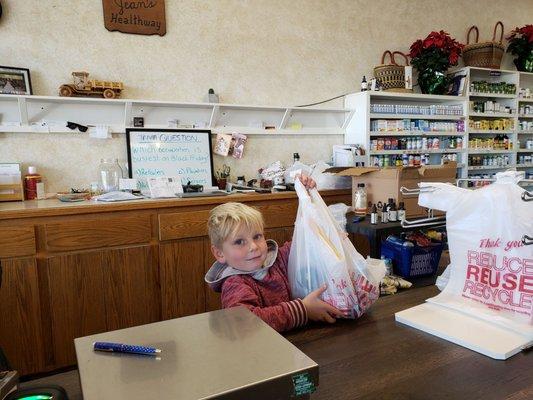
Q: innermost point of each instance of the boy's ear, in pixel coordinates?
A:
(219, 255)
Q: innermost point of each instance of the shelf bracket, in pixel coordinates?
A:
(127, 115)
(286, 116)
(23, 111)
(215, 114)
(348, 119)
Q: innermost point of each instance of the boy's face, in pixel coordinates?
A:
(246, 250)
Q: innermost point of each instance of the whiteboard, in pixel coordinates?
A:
(170, 152)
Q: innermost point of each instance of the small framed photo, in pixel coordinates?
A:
(15, 80)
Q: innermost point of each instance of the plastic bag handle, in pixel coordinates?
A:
(301, 191)
(499, 23)
(468, 34)
(403, 55)
(390, 55)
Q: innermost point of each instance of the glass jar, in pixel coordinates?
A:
(110, 173)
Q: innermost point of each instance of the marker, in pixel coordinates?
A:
(125, 348)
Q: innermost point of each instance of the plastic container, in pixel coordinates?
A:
(110, 173)
(31, 179)
(410, 260)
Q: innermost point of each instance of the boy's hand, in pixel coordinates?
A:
(307, 181)
(319, 310)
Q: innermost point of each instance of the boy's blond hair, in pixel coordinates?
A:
(226, 219)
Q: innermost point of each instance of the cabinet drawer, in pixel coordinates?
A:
(98, 232)
(17, 241)
(183, 225)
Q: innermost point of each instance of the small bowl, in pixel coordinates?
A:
(69, 197)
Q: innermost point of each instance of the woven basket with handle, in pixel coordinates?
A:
(486, 54)
(392, 76)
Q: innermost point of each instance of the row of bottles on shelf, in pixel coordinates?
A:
(493, 87)
(502, 124)
(525, 93)
(499, 142)
(495, 160)
(524, 159)
(407, 160)
(528, 175)
(399, 125)
(525, 109)
(490, 107)
(433, 109)
(525, 125)
(528, 144)
(416, 143)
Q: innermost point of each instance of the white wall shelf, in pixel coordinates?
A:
(522, 100)
(489, 167)
(49, 114)
(492, 115)
(419, 151)
(525, 116)
(415, 133)
(492, 95)
(489, 151)
(359, 130)
(416, 116)
(525, 150)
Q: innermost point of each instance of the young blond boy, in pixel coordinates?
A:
(252, 272)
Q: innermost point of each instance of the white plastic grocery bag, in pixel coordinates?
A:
(322, 253)
(490, 276)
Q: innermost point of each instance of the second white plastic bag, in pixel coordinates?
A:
(322, 253)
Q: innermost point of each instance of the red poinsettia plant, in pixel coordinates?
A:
(438, 51)
(521, 45)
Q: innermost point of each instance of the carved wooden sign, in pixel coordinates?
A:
(143, 17)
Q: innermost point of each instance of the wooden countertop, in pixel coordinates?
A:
(377, 358)
(52, 207)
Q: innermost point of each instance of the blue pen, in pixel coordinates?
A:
(125, 348)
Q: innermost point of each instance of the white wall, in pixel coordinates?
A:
(266, 52)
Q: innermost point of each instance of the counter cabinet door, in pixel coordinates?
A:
(99, 291)
(20, 315)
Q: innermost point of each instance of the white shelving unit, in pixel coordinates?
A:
(359, 129)
(517, 136)
(49, 114)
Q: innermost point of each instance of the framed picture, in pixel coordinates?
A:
(15, 80)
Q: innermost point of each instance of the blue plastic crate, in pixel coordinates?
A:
(411, 261)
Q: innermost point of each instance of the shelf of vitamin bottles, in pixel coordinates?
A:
(417, 151)
(416, 116)
(490, 151)
(415, 133)
(489, 167)
(490, 132)
(493, 115)
(493, 95)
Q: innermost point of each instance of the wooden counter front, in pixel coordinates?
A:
(75, 269)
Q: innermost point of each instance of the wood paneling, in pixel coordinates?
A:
(20, 316)
(183, 225)
(17, 241)
(278, 214)
(182, 266)
(212, 298)
(101, 291)
(104, 231)
(77, 302)
(131, 281)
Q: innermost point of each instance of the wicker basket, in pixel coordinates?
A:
(486, 54)
(392, 76)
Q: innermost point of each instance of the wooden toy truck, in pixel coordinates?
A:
(84, 87)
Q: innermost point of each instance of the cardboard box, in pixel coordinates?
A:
(382, 184)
